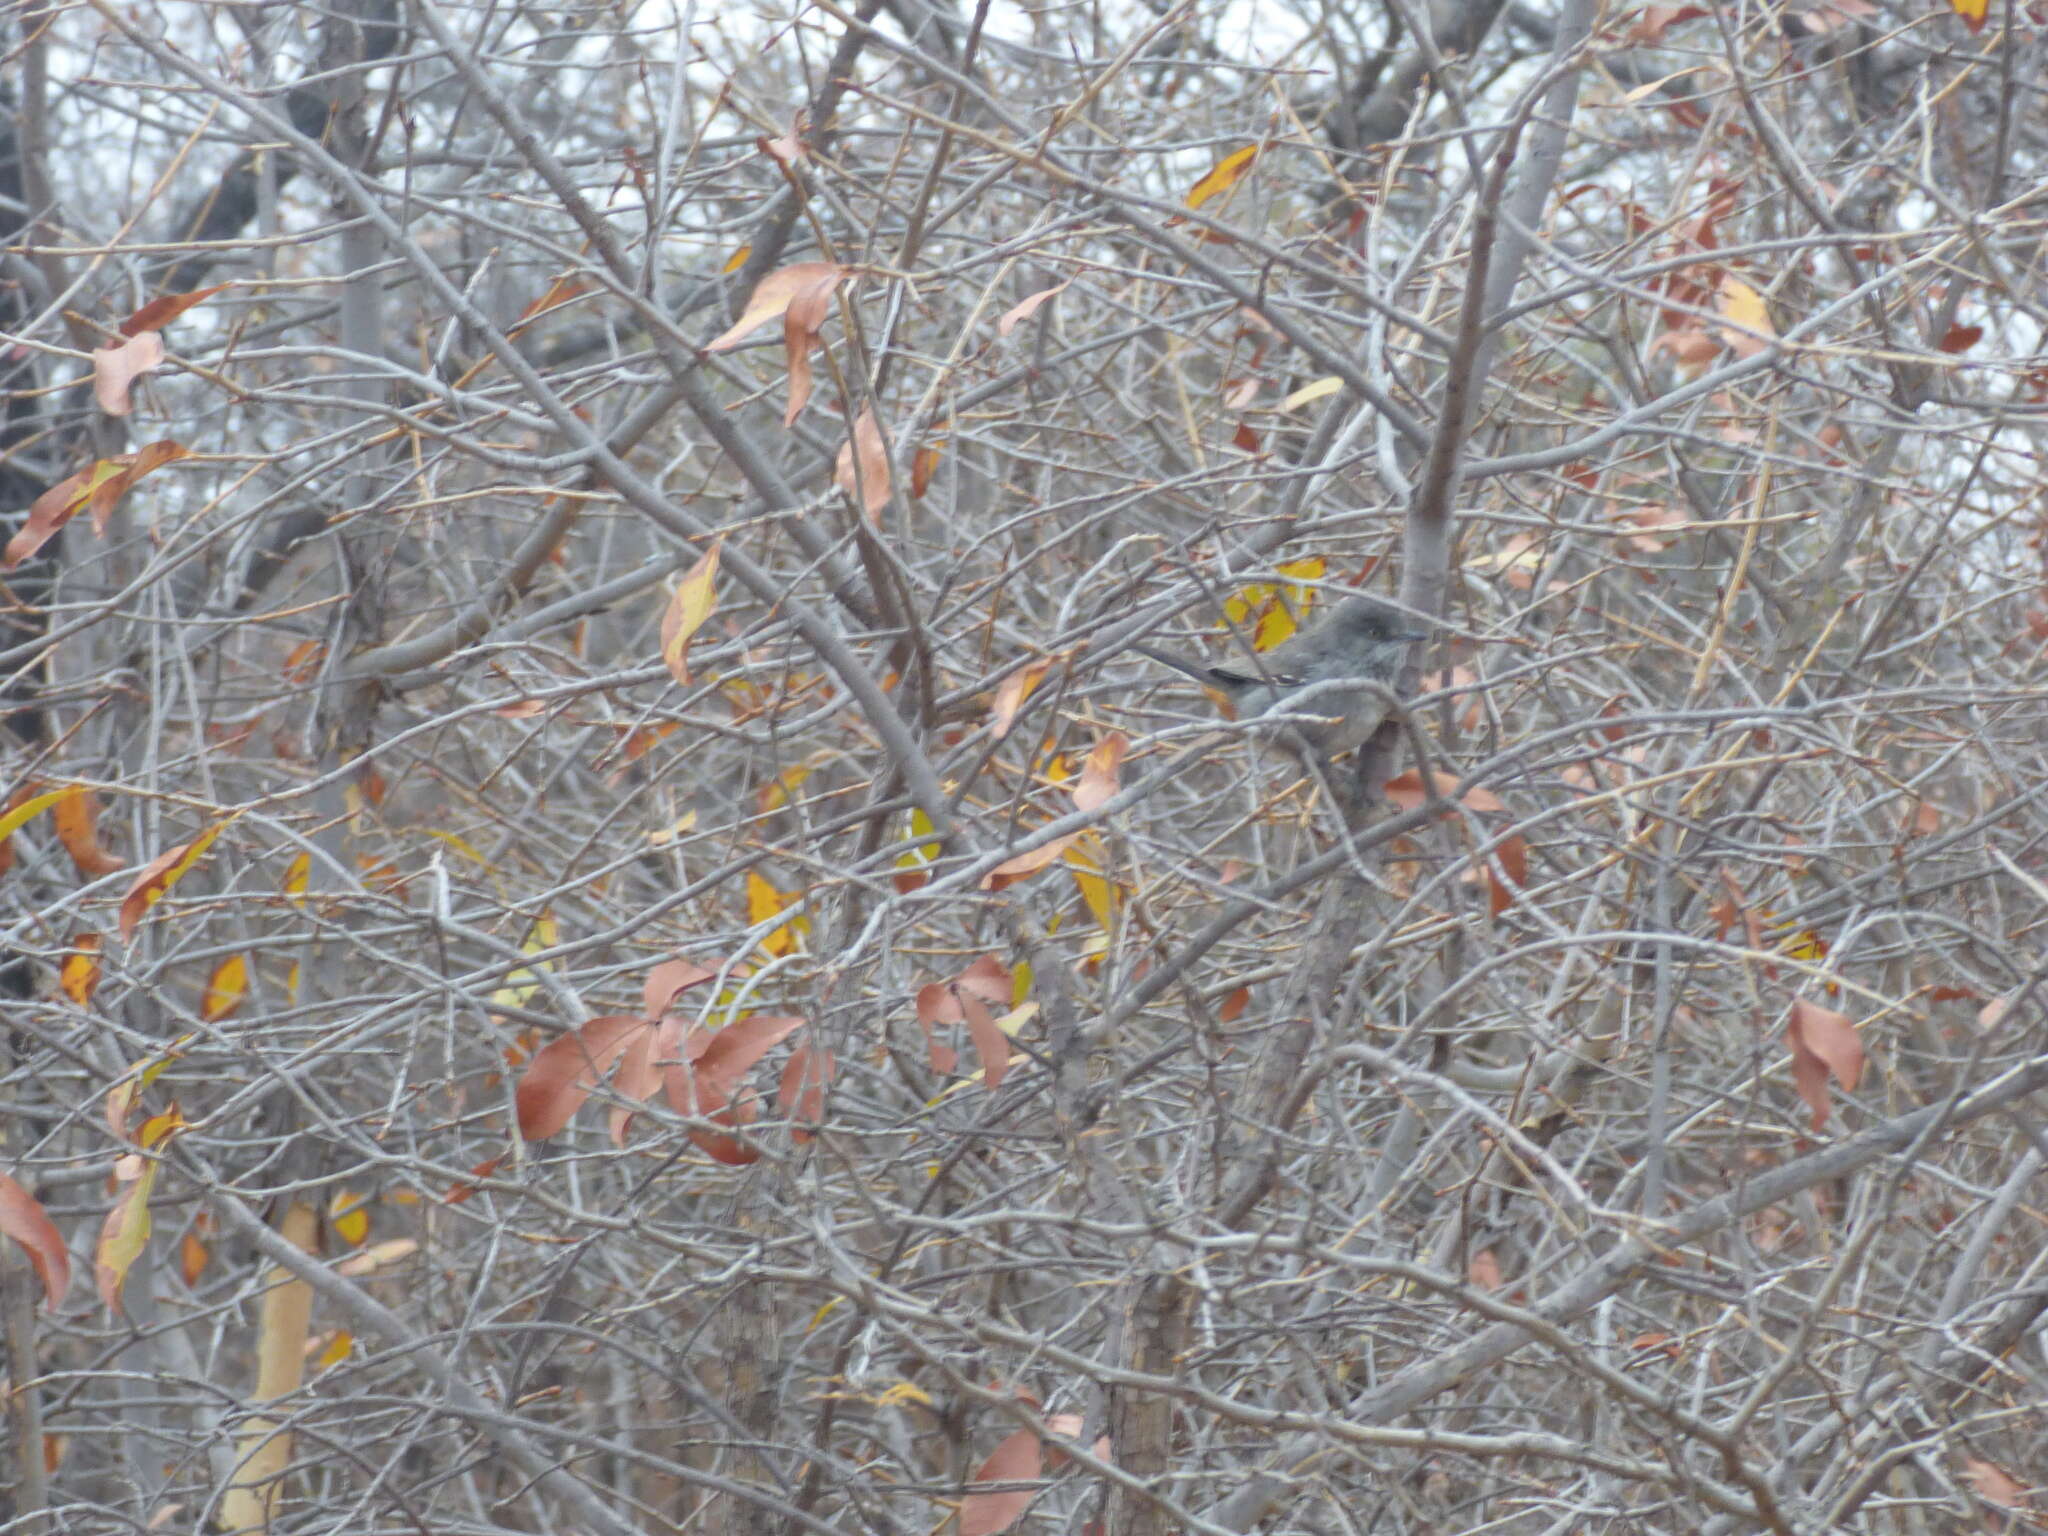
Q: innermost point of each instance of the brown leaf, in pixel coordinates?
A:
(1823, 1042)
(872, 485)
(116, 367)
(772, 296)
(1993, 1483)
(162, 310)
(809, 307)
(1960, 338)
(990, 1043)
(1017, 314)
(923, 465)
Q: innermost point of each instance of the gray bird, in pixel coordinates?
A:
(1363, 639)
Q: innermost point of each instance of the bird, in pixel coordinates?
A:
(1363, 640)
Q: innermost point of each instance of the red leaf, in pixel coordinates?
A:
(990, 1043)
(562, 1073)
(801, 1093)
(1018, 1459)
(669, 979)
(1960, 338)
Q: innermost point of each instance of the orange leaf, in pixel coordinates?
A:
(116, 367)
(923, 465)
(1224, 175)
(99, 488)
(1019, 313)
(161, 874)
(695, 599)
(162, 310)
(80, 975)
(1823, 1042)
(75, 818)
(24, 1220)
(771, 298)
(868, 450)
(560, 292)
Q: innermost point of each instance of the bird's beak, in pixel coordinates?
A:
(1413, 634)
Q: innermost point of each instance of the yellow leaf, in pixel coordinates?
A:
(296, 874)
(763, 902)
(1742, 306)
(80, 974)
(1973, 12)
(29, 810)
(521, 985)
(225, 989)
(1329, 384)
(337, 1350)
(348, 1216)
(738, 260)
(1224, 175)
(695, 598)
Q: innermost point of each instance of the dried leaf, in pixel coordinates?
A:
(1012, 693)
(1823, 1043)
(1098, 783)
(872, 449)
(1018, 313)
(772, 296)
(1019, 1459)
(116, 367)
